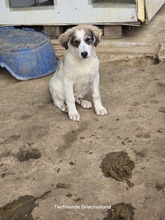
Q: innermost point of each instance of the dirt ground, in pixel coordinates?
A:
(50, 166)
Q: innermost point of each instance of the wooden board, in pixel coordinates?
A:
(112, 32)
(53, 31)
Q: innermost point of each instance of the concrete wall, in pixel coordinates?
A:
(152, 6)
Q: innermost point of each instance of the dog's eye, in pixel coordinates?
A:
(76, 42)
(88, 40)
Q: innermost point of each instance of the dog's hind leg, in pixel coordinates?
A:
(61, 105)
(84, 103)
(59, 102)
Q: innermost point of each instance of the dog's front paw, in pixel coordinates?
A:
(74, 116)
(101, 111)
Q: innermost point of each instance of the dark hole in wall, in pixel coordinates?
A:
(29, 3)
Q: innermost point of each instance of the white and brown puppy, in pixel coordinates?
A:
(78, 72)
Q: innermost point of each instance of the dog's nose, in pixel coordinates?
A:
(84, 54)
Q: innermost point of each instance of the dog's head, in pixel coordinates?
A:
(81, 39)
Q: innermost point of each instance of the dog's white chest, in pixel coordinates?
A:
(82, 84)
(81, 74)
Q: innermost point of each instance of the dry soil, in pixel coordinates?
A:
(50, 166)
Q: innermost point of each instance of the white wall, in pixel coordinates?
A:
(66, 12)
(152, 6)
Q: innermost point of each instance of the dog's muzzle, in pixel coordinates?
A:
(84, 54)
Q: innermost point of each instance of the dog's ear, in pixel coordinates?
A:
(97, 33)
(65, 37)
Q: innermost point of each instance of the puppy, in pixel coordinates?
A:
(78, 72)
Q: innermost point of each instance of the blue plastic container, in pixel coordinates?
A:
(26, 54)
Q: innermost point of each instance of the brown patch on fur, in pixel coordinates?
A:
(68, 34)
